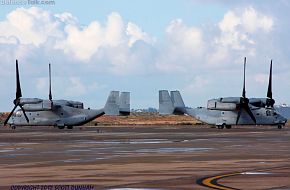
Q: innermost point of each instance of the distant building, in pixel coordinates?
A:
(148, 110)
(152, 110)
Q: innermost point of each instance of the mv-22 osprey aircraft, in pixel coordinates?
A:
(227, 111)
(61, 113)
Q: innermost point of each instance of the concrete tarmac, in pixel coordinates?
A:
(147, 157)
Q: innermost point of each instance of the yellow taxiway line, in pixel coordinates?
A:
(212, 182)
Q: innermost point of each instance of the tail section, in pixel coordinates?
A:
(112, 104)
(165, 103)
(124, 108)
(118, 104)
(171, 104)
(177, 102)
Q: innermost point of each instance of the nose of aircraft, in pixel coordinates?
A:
(285, 120)
(282, 119)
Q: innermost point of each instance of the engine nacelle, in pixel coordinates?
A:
(217, 105)
(235, 100)
(43, 106)
(73, 104)
(24, 101)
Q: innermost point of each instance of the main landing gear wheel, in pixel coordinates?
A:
(279, 126)
(69, 127)
(224, 126)
(228, 126)
(61, 126)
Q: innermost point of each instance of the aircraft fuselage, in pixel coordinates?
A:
(264, 116)
(61, 116)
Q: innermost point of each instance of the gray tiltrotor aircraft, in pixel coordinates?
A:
(224, 112)
(61, 113)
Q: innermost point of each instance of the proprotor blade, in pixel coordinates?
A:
(239, 115)
(244, 86)
(10, 114)
(18, 87)
(50, 95)
(18, 96)
(269, 92)
(250, 113)
(244, 102)
(24, 113)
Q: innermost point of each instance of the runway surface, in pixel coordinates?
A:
(147, 157)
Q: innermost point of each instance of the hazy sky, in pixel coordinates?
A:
(195, 46)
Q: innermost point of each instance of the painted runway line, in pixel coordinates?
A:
(212, 182)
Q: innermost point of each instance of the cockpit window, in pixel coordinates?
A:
(270, 113)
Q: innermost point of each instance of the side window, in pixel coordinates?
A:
(268, 113)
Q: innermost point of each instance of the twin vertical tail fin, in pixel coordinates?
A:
(171, 103)
(112, 104)
(165, 103)
(179, 107)
(118, 104)
(124, 108)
